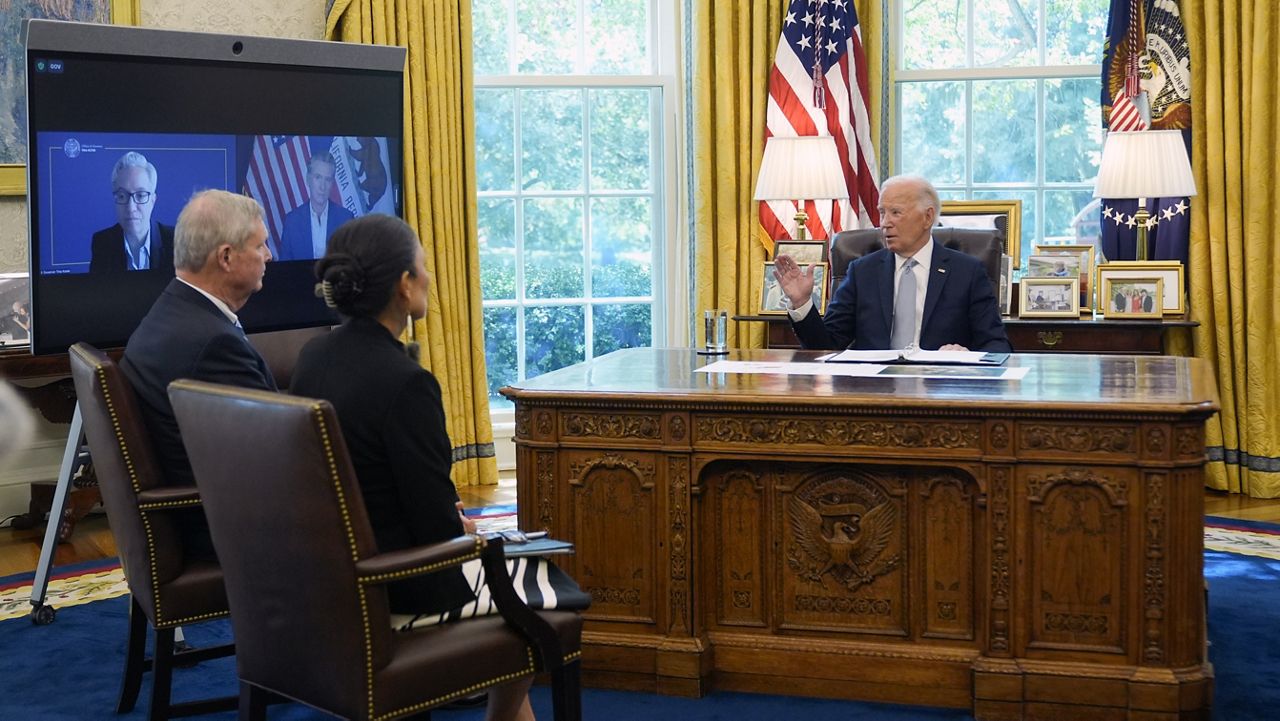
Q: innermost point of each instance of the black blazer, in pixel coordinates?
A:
(392, 419)
(959, 307)
(108, 254)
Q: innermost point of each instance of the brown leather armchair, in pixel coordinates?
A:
(305, 580)
(167, 589)
(986, 244)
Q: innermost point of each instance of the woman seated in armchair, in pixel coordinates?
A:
(392, 418)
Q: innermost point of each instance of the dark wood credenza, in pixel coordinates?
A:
(1039, 335)
(1028, 549)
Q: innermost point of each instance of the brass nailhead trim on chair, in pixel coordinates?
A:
(161, 621)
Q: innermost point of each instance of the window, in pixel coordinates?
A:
(572, 161)
(1000, 99)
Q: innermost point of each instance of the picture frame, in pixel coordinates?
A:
(1132, 298)
(1049, 298)
(1004, 294)
(804, 252)
(13, 175)
(1061, 265)
(1086, 253)
(1170, 271)
(1003, 215)
(774, 302)
(15, 330)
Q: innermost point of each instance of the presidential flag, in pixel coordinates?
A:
(1146, 83)
(276, 178)
(818, 86)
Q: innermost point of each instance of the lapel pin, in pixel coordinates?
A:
(942, 270)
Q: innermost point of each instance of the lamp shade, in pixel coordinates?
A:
(803, 168)
(1144, 164)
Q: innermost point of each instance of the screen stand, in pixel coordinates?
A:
(42, 614)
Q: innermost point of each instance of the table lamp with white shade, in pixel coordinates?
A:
(800, 169)
(1144, 164)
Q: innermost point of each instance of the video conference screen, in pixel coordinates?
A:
(119, 142)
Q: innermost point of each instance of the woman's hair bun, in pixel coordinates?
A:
(342, 280)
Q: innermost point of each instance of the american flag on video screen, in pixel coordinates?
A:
(277, 170)
(818, 86)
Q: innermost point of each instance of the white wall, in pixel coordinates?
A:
(278, 18)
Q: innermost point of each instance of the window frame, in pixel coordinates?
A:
(969, 75)
(670, 266)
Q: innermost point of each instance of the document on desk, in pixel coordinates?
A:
(791, 369)
(868, 370)
(917, 355)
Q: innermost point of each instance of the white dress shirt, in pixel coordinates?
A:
(319, 241)
(226, 309)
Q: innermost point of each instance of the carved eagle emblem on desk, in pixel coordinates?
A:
(846, 546)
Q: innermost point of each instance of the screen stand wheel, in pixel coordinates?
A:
(42, 614)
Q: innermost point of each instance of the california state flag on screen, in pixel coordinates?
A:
(362, 174)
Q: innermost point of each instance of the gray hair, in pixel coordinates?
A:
(213, 218)
(928, 194)
(133, 159)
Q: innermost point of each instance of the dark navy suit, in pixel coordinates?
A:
(295, 237)
(959, 307)
(107, 253)
(184, 335)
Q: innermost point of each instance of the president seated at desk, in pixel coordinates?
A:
(913, 292)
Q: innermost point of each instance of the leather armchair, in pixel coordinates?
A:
(167, 589)
(306, 583)
(986, 244)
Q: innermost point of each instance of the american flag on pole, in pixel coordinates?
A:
(1125, 46)
(818, 86)
(276, 177)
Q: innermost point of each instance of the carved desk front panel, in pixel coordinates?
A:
(1027, 550)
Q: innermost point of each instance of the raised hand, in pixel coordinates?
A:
(796, 283)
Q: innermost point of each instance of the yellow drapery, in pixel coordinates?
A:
(733, 50)
(439, 202)
(1235, 221)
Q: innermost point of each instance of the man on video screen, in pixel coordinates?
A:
(135, 242)
(307, 227)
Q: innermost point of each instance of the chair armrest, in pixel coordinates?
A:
(167, 497)
(515, 611)
(396, 565)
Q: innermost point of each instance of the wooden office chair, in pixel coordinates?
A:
(167, 589)
(986, 244)
(291, 530)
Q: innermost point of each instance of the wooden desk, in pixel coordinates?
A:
(1026, 549)
(1039, 335)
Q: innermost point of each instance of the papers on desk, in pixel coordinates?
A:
(868, 370)
(916, 355)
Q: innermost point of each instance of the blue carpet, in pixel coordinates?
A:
(70, 670)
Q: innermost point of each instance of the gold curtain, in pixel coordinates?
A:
(1235, 259)
(440, 202)
(733, 51)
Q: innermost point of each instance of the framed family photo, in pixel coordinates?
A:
(1170, 271)
(1049, 297)
(13, 91)
(774, 302)
(1085, 264)
(1133, 297)
(804, 252)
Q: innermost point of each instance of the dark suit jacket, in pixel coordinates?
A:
(184, 335)
(959, 307)
(108, 256)
(393, 421)
(295, 238)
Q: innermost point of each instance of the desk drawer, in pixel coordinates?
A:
(1082, 338)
